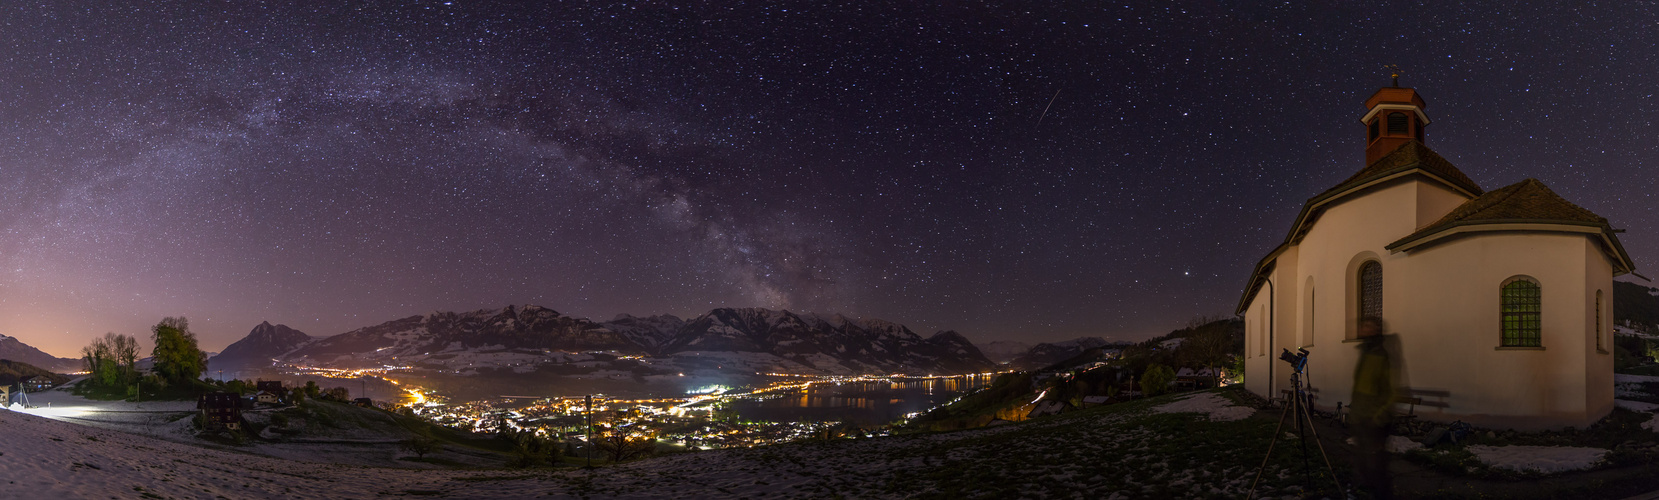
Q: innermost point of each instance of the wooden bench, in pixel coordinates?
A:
(1412, 402)
(1416, 399)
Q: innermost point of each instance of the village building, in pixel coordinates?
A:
(220, 410)
(267, 397)
(36, 383)
(1501, 300)
(271, 386)
(1202, 378)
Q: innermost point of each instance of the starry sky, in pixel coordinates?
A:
(1011, 171)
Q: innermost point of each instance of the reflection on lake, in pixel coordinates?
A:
(857, 402)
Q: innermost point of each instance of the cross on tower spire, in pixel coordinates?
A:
(1394, 71)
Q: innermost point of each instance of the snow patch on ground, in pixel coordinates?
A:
(1544, 459)
(1625, 377)
(1402, 444)
(1635, 405)
(1219, 409)
(1652, 425)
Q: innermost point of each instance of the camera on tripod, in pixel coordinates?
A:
(1298, 359)
(1299, 407)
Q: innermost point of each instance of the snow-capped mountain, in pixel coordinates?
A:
(262, 345)
(16, 350)
(861, 346)
(528, 338)
(650, 332)
(524, 329)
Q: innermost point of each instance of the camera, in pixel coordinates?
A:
(1298, 359)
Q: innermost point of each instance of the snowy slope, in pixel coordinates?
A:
(858, 345)
(650, 332)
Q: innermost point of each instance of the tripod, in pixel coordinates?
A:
(1297, 406)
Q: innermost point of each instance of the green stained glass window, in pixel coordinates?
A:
(1521, 300)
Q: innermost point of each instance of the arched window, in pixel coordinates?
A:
(1370, 289)
(1600, 344)
(1375, 126)
(1397, 123)
(1521, 300)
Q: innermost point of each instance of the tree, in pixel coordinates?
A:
(1156, 380)
(421, 443)
(339, 394)
(620, 445)
(124, 349)
(1203, 349)
(531, 449)
(112, 360)
(177, 358)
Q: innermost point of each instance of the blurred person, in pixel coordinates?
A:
(1376, 389)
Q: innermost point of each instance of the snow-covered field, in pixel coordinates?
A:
(171, 421)
(1219, 409)
(1631, 386)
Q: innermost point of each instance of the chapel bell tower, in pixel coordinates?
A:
(1394, 116)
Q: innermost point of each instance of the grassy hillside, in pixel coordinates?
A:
(12, 371)
(1012, 396)
(1636, 305)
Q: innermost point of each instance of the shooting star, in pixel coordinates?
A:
(1045, 109)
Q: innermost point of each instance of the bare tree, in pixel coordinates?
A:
(620, 445)
(420, 444)
(112, 360)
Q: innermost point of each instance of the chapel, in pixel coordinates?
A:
(1501, 301)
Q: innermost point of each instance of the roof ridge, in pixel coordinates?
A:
(1529, 200)
(1551, 192)
(1482, 203)
(1411, 155)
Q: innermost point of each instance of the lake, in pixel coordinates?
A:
(857, 402)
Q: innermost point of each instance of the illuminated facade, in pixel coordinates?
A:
(1501, 300)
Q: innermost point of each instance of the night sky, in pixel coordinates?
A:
(1010, 173)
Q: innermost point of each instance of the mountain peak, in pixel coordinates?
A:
(15, 350)
(948, 335)
(264, 342)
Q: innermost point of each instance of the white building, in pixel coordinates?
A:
(1502, 300)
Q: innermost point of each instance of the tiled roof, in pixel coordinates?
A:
(1408, 156)
(1528, 201)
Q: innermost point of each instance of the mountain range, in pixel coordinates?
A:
(528, 338)
(15, 350)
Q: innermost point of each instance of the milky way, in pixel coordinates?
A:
(1010, 173)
